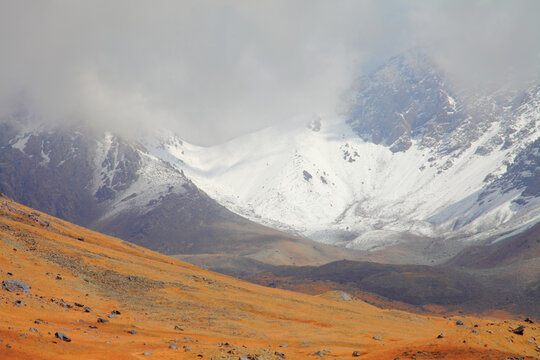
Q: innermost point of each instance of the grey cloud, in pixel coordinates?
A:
(482, 45)
(213, 69)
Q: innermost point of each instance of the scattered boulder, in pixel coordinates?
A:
(33, 329)
(528, 320)
(318, 353)
(80, 238)
(519, 330)
(78, 304)
(87, 309)
(177, 327)
(173, 346)
(112, 316)
(356, 353)
(475, 332)
(147, 353)
(58, 277)
(102, 320)
(92, 326)
(115, 312)
(132, 332)
(62, 337)
(377, 337)
(284, 345)
(281, 355)
(459, 322)
(15, 286)
(345, 296)
(440, 336)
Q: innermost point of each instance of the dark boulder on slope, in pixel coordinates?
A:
(15, 286)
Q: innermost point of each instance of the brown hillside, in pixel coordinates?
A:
(178, 311)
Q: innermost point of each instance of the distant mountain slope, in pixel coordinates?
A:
(456, 289)
(518, 248)
(408, 158)
(115, 186)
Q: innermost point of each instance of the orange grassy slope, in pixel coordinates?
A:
(172, 310)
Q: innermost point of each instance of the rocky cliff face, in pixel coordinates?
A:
(405, 99)
(409, 100)
(51, 171)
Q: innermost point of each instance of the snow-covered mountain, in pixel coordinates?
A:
(406, 156)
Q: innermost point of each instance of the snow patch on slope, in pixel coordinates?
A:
(154, 181)
(25, 131)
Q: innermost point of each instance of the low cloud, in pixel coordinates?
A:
(211, 70)
(482, 45)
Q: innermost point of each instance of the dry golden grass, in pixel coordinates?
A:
(154, 293)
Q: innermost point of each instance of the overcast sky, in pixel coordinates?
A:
(211, 70)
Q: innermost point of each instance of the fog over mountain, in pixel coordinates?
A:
(212, 70)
